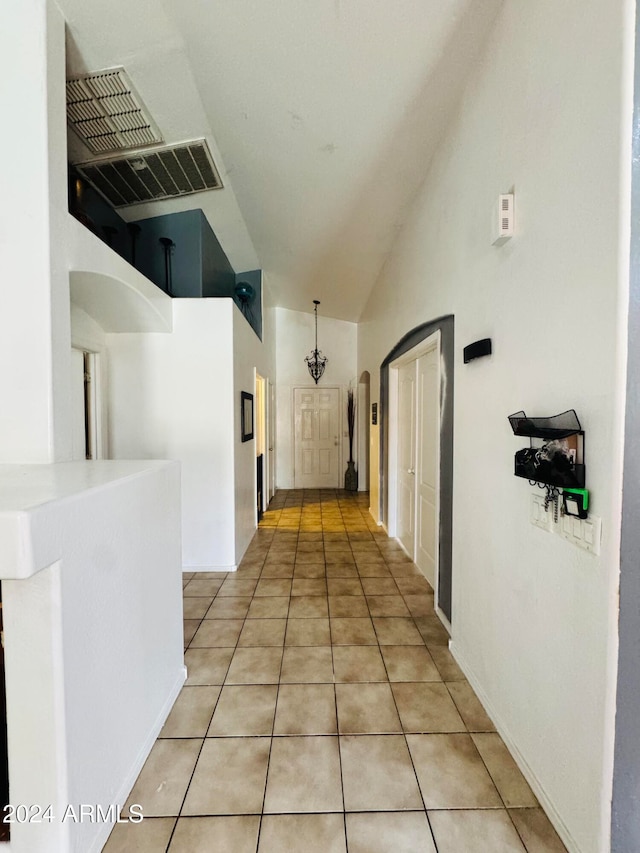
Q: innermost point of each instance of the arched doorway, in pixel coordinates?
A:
(445, 326)
(364, 419)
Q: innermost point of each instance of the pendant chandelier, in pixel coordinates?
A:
(316, 362)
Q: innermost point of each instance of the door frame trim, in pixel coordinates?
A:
(415, 336)
(95, 413)
(429, 344)
(260, 418)
(271, 437)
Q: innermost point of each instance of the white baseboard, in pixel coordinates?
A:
(377, 521)
(535, 784)
(120, 798)
(196, 569)
(442, 617)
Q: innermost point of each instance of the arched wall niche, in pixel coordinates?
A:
(364, 420)
(119, 306)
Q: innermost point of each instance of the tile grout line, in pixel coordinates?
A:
(404, 735)
(286, 528)
(275, 708)
(204, 739)
(336, 695)
(415, 772)
(335, 702)
(179, 815)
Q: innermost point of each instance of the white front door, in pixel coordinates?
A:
(407, 456)
(316, 438)
(427, 467)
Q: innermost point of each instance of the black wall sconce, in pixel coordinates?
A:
(477, 350)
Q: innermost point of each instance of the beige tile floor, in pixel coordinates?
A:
(323, 711)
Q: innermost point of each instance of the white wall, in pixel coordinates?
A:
(177, 396)
(249, 355)
(171, 396)
(295, 338)
(93, 640)
(34, 321)
(86, 333)
(533, 617)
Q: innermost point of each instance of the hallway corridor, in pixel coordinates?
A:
(323, 711)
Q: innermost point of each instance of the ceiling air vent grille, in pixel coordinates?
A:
(154, 175)
(107, 113)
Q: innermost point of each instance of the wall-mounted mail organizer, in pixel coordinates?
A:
(555, 456)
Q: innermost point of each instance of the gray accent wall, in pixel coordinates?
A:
(185, 229)
(198, 263)
(445, 325)
(254, 312)
(625, 813)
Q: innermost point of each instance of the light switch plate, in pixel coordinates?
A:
(583, 532)
(538, 516)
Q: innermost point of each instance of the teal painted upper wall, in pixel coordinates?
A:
(185, 231)
(198, 265)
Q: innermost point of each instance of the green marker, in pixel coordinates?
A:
(576, 502)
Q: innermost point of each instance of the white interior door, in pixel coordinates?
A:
(363, 416)
(78, 434)
(414, 462)
(86, 401)
(407, 456)
(261, 439)
(316, 438)
(427, 467)
(271, 435)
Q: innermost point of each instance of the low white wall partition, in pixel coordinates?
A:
(90, 563)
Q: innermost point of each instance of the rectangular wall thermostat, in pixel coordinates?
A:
(504, 219)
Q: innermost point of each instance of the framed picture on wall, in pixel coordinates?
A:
(246, 415)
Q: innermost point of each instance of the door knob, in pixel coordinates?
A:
(411, 471)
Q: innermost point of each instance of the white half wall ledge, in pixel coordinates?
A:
(110, 290)
(102, 621)
(34, 499)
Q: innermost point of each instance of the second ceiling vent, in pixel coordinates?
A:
(107, 114)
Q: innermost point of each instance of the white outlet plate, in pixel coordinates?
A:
(538, 516)
(583, 532)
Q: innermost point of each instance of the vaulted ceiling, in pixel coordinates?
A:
(322, 116)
